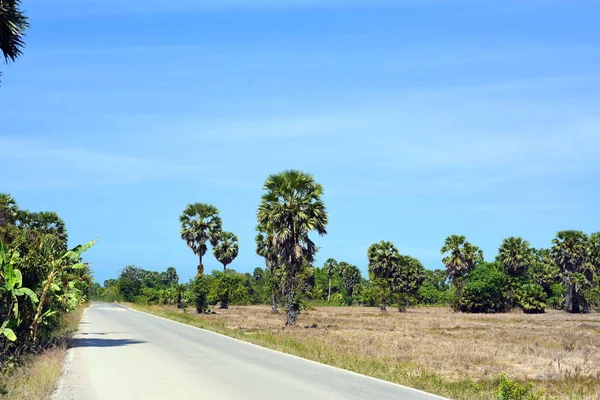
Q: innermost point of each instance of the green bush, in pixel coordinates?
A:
(511, 390)
(429, 294)
(485, 290)
(531, 298)
(557, 296)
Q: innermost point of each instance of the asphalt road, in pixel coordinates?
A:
(120, 353)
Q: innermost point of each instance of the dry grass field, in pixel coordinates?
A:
(452, 354)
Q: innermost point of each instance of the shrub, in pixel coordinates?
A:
(557, 295)
(511, 390)
(531, 298)
(484, 291)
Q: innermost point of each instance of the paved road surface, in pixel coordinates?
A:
(124, 354)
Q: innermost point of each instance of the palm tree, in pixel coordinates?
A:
(226, 249)
(265, 247)
(200, 223)
(570, 251)
(383, 263)
(461, 256)
(292, 208)
(350, 276)
(515, 255)
(330, 267)
(13, 24)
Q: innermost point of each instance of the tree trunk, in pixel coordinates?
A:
(200, 267)
(383, 304)
(179, 303)
(40, 307)
(274, 309)
(292, 307)
(224, 304)
(329, 295)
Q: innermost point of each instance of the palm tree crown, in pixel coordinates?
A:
(383, 259)
(227, 249)
(13, 24)
(515, 255)
(461, 256)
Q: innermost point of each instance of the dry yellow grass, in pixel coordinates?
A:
(435, 349)
(36, 376)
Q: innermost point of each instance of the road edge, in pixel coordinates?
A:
(290, 355)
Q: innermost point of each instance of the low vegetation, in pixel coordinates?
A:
(42, 284)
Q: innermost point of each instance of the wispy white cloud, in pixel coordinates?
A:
(43, 164)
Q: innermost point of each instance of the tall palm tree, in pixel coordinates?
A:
(227, 249)
(461, 256)
(515, 255)
(8, 210)
(13, 24)
(570, 251)
(265, 247)
(200, 224)
(383, 263)
(330, 267)
(292, 208)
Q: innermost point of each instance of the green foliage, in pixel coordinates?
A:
(461, 257)
(484, 291)
(200, 289)
(13, 24)
(407, 278)
(226, 249)
(511, 390)
(229, 287)
(515, 256)
(531, 298)
(291, 208)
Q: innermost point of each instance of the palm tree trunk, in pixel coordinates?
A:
(274, 309)
(329, 295)
(383, 304)
(200, 266)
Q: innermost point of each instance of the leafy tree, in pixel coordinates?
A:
(485, 290)
(571, 250)
(229, 286)
(13, 24)
(331, 267)
(200, 223)
(461, 257)
(406, 280)
(515, 256)
(169, 277)
(383, 265)
(292, 208)
(226, 249)
(258, 274)
(350, 276)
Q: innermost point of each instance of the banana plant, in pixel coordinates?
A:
(11, 288)
(69, 260)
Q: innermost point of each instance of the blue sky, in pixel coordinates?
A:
(421, 118)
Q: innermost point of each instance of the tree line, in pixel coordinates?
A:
(40, 279)
(291, 212)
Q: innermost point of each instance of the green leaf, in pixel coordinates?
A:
(78, 266)
(54, 287)
(76, 253)
(27, 292)
(10, 335)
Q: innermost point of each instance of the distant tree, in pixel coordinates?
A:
(130, 282)
(485, 290)
(227, 249)
(13, 24)
(258, 274)
(571, 251)
(515, 256)
(292, 208)
(350, 276)
(331, 267)
(406, 280)
(200, 223)
(461, 257)
(169, 277)
(383, 264)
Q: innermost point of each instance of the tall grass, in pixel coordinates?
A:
(34, 376)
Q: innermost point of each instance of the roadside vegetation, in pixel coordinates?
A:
(42, 285)
(477, 329)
